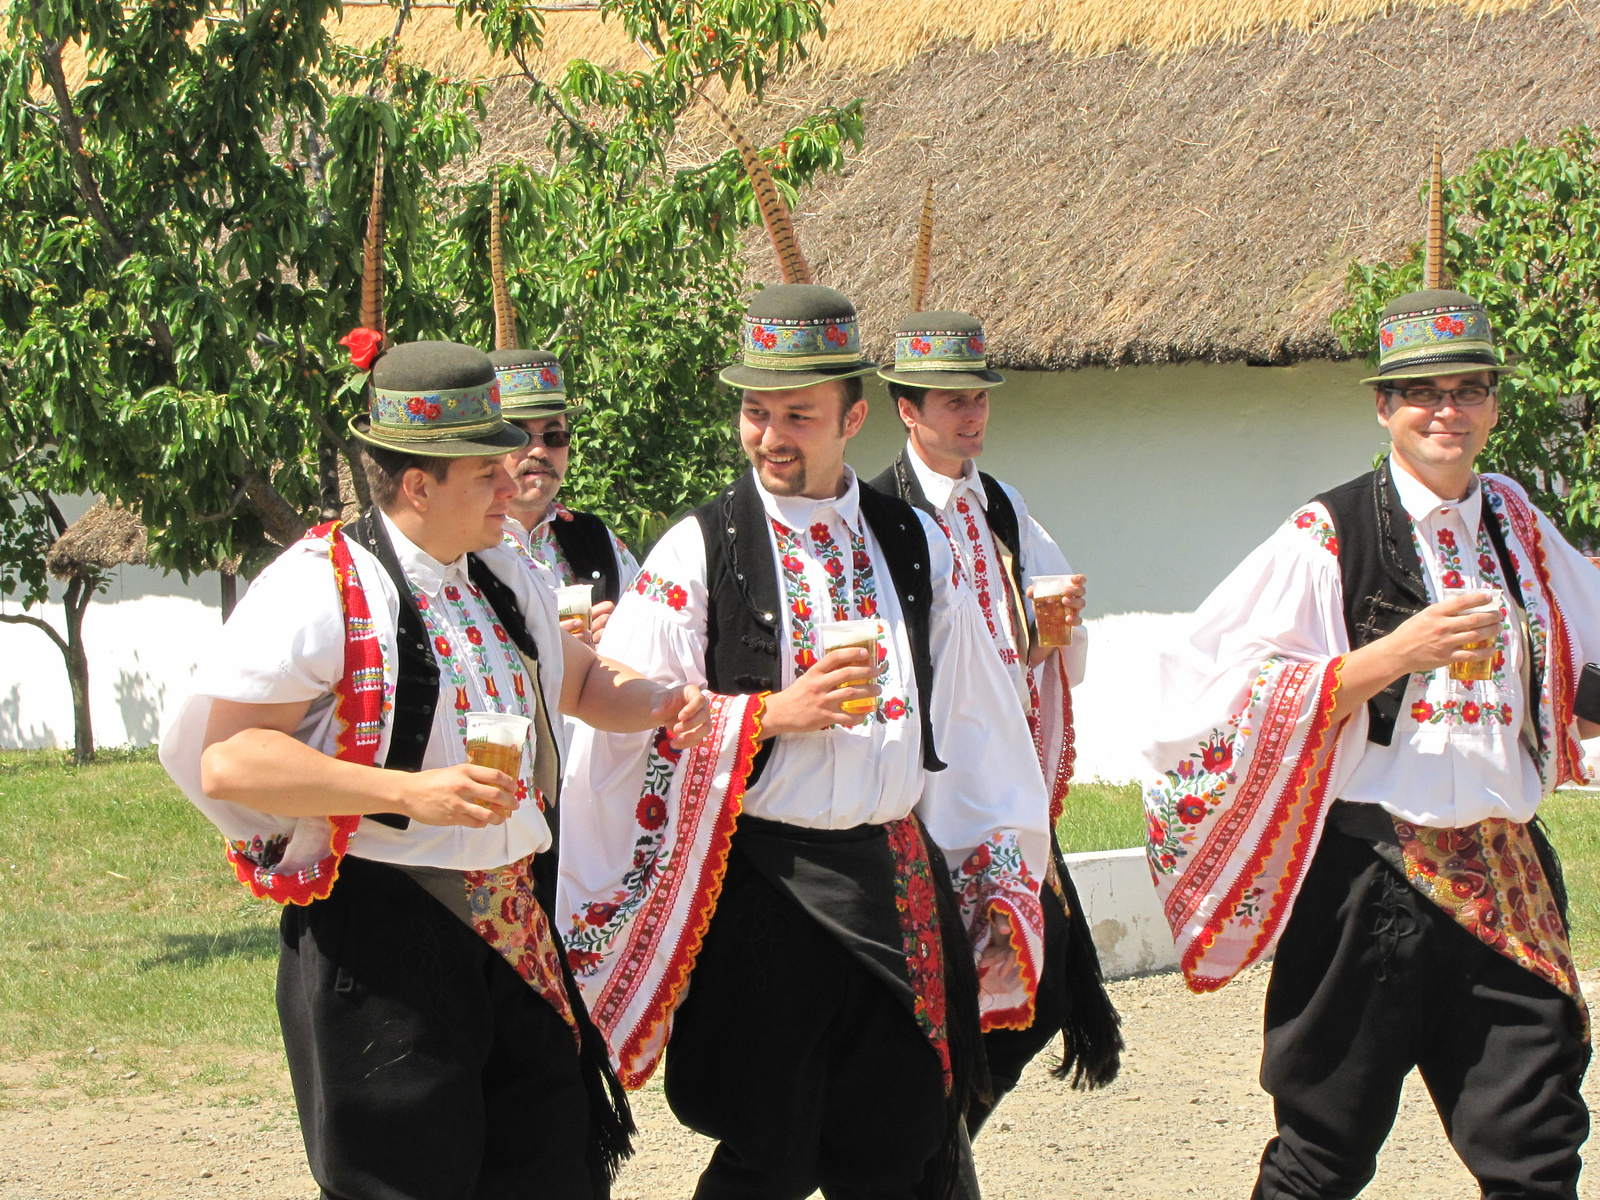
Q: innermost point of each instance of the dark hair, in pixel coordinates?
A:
(904, 391)
(385, 469)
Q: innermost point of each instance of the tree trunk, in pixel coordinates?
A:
(79, 592)
(230, 592)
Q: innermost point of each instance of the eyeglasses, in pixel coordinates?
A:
(556, 439)
(1468, 395)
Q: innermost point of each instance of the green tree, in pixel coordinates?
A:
(1523, 235)
(623, 259)
(179, 238)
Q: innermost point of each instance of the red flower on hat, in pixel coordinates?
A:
(494, 393)
(1386, 338)
(433, 412)
(758, 332)
(975, 344)
(416, 406)
(1457, 327)
(1442, 324)
(547, 377)
(363, 345)
(921, 346)
(770, 341)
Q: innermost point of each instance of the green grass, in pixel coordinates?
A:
(1101, 816)
(121, 926)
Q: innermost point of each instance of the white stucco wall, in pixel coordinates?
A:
(1155, 480)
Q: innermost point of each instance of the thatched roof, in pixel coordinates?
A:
(1196, 197)
(104, 537)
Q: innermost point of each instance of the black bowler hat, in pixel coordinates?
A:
(795, 335)
(438, 399)
(941, 350)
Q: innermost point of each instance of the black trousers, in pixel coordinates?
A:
(1371, 979)
(1011, 1050)
(424, 1068)
(798, 1059)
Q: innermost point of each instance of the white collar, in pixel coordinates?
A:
(1420, 502)
(427, 573)
(801, 512)
(939, 489)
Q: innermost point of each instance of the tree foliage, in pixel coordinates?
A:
(1523, 235)
(183, 189)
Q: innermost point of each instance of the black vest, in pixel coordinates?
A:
(586, 545)
(898, 479)
(416, 688)
(744, 618)
(1382, 578)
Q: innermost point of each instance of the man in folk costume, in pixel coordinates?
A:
(773, 908)
(940, 385)
(572, 547)
(1352, 748)
(437, 1042)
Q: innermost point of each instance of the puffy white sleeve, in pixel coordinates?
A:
(1243, 755)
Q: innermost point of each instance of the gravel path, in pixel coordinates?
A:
(1185, 1119)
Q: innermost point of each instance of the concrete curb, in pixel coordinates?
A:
(1130, 930)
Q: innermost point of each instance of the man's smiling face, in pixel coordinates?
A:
(795, 438)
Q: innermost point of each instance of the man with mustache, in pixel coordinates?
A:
(572, 547)
(775, 905)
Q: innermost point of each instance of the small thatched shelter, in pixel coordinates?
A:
(105, 537)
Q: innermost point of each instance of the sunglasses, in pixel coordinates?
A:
(556, 439)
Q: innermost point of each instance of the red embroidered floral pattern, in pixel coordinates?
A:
(862, 596)
(982, 580)
(1312, 519)
(917, 903)
(653, 587)
(507, 917)
(591, 931)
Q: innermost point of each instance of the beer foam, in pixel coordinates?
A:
(502, 730)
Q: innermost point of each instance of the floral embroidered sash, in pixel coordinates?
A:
(916, 901)
(506, 915)
(1488, 877)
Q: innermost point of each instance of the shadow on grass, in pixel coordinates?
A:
(199, 949)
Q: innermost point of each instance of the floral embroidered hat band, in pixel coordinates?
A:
(531, 384)
(795, 335)
(437, 399)
(941, 350)
(1428, 333)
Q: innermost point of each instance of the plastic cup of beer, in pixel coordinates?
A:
(853, 635)
(495, 740)
(1050, 609)
(1473, 672)
(575, 601)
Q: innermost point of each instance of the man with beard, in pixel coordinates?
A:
(775, 905)
(572, 547)
(940, 384)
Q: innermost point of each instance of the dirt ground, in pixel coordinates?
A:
(1177, 1123)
